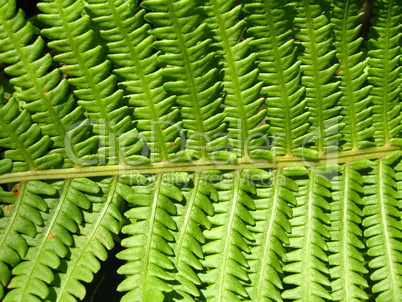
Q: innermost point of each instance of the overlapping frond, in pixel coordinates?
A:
(348, 273)
(355, 101)
(318, 66)
(306, 267)
(130, 49)
(25, 147)
(382, 228)
(63, 250)
(34, 274)
(246, 128)
(40, 87)
(103, 220)
(19, 228)
(191, 74)
(384, 72)
(89, 71)
(270, 23)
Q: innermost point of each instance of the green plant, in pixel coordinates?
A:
(234, 150)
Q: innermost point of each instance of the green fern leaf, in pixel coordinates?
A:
(20, 218)
(228, 239)
(347, 264)
(240, 85)
(130, 45)
(90, 243)
(88, 72)
(190, 74)
(272, 225)
(38, 86)
(25, 145)
(148, 251)
(306, 265)
(322, 95)
(191, 220)
(383, 227)
(35, 265)
(355, 101)
(280, 73)
(234, 150)
(384, 73)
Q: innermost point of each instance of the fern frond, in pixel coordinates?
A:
(272, 215)
(227, 240)
(32, 194)
(240, 85)
(21, 216)
(189, 70)
(355, 102)
(34, 274)
(384, 71)
(347, 263)
(319, 68)
(38, 86)
(306, 266)
(88, 71)
(238, 150)
(23, 141)
(103, 219)
(383, 227)
(148, 251)
(270, 23)
(130, 49)
(191, 220)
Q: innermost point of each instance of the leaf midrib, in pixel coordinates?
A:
(199, 165)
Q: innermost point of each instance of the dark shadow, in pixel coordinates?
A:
(28, 6)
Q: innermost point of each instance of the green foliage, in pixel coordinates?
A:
(225, 150)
